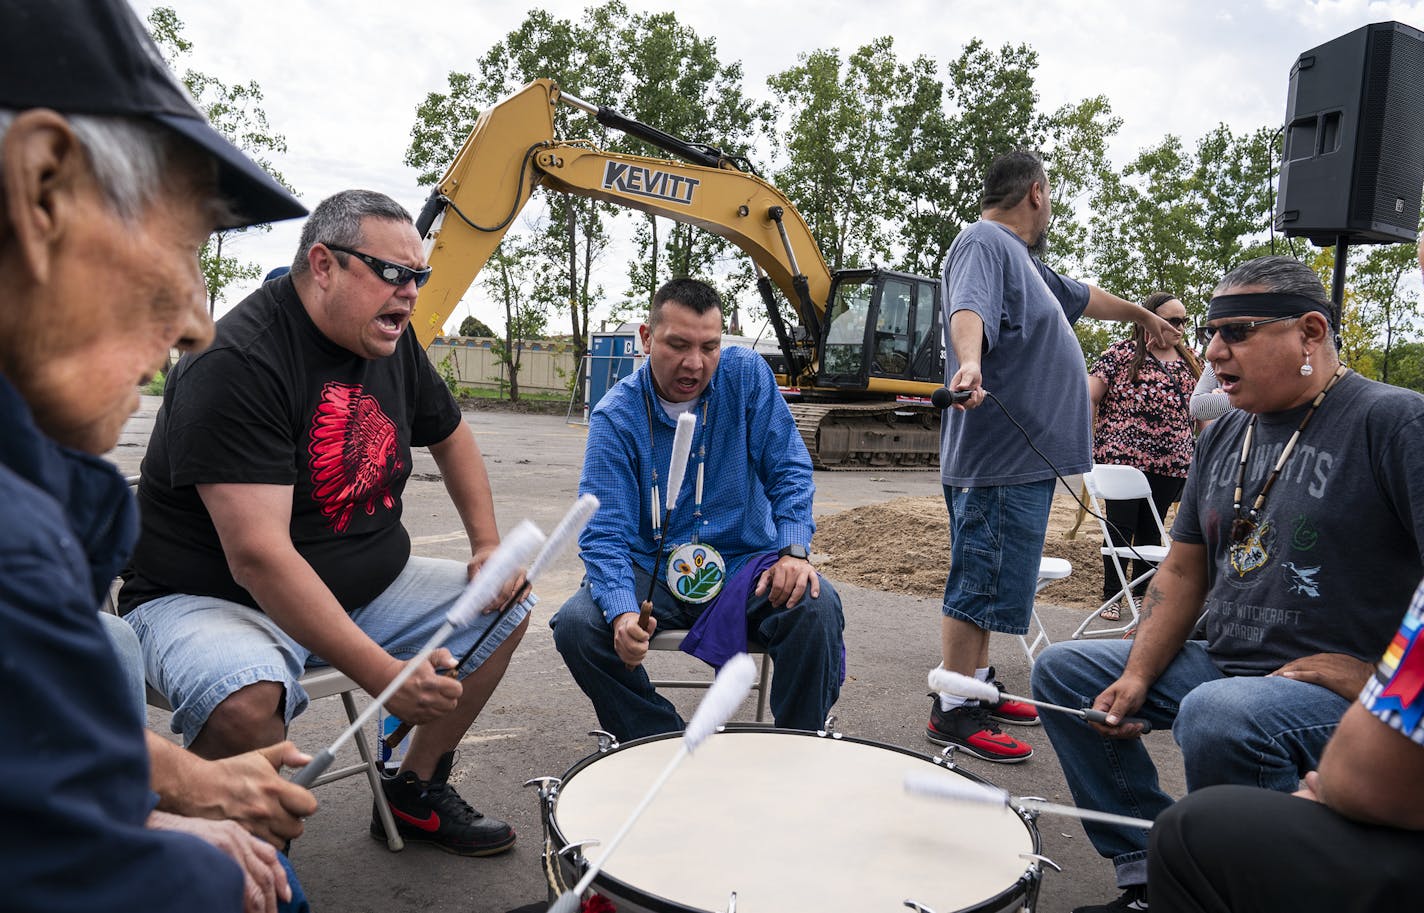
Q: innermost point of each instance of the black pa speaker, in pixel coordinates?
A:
(1352, 162)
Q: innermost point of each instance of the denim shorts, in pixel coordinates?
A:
(200, 650)
(996, 538)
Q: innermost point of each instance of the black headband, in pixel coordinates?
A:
(1267, 304)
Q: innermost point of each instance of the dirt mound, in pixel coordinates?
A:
(902, 546)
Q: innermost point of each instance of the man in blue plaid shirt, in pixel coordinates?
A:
(731, 561)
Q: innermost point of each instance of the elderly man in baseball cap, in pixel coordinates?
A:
(110, 182)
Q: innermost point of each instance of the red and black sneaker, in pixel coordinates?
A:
(432, 812)
(1015, 713)
(970, 728)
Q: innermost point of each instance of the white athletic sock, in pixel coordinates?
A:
(948, 702)
(982, 673)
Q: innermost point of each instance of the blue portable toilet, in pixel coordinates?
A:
(612, 356)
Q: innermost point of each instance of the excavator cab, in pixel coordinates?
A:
(881, 325)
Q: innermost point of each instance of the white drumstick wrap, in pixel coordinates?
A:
(953, 787)
(681, 448)
(563, 535)
(966, 686)
(731, 687)
(514, 553)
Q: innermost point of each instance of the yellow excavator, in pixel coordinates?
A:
(865, 349)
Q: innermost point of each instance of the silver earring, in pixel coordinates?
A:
(1306, 370)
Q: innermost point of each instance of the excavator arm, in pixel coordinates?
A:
(512, 149)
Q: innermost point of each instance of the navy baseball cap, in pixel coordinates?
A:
(95, 57)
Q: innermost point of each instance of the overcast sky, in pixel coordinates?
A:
(343, 77)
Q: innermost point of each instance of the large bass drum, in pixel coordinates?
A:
(788, 822)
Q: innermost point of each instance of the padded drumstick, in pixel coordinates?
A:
(566, 532)
(957, 789)
(681, 450)
(970, 687)
(677, 468)
(729, 689)
(513, 553)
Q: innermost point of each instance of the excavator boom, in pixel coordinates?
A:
(513, 148)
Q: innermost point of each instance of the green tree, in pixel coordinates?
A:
(236, 112)
(511, 278)
(676, 82)
(1385, 304)
(835, 118)
(473, 326)
(579, 58)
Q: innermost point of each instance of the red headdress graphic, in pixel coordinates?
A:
(353, 454)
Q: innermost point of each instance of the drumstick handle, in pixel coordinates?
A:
(1092, 716)
(1087, 814)
(642, 806)
(521, 597)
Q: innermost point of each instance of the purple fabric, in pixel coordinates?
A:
(721, 632)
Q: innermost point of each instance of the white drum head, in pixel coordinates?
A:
(791, 823)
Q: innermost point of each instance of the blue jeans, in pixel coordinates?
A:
(804, 642)
(995, 543)
(1246, 730)
(200, 650)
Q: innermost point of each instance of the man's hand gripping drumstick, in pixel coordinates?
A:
(563, 535)
(503, 564)
(633, 646)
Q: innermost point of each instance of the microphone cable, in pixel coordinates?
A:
(952, 397)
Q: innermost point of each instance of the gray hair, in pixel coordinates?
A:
(337, 220)
(132, 159)
(1283, 275)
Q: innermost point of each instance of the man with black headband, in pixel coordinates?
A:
(1350, 838)
(1300, 534)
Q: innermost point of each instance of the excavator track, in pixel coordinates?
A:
(883, 435)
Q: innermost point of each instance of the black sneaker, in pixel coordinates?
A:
(432, 812)
(1015, 713)
(970, 728)
(1134, 897)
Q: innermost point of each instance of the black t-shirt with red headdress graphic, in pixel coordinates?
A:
(275, 402)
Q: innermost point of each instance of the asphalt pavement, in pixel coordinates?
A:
(537, 723)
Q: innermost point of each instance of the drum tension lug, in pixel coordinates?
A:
(607, 741)
(568, 851)
(732, 903)
(548, 786)
(1040, 858)
(918, 907)
(1029, 813)
(946, 756)
(829, 726)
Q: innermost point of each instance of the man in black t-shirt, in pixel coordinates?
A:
(271, 506)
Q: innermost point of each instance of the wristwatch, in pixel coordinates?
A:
(795, 550)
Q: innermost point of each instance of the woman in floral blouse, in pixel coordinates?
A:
(1141, 398)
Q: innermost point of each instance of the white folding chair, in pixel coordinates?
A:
(1109, 482)
(672, 640)
(1049, 570)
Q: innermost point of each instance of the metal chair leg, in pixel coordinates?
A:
(373, 774)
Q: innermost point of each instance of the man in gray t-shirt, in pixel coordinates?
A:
(1299, 549)
(1008, 319)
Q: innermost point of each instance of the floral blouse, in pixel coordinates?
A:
(1147, 424)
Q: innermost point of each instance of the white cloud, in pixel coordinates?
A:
(343, 79)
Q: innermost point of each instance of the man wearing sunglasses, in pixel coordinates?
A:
(1300, 533)
(271, 506)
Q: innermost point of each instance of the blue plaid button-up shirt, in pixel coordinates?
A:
(758, 484)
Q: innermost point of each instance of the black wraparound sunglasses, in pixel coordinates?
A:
(1236, 333)
(393, 273)
(1178, 322)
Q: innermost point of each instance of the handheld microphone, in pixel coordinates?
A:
(944, 397)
